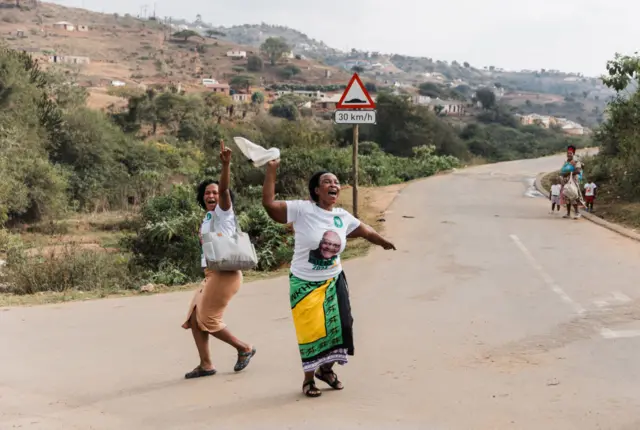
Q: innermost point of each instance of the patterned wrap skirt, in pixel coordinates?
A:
(322, 317)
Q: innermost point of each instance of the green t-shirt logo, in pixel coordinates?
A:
(208, 216)
(337, 221)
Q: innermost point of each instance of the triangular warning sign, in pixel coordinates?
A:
(355, 96)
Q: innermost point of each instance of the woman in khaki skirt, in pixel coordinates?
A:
(210, 301)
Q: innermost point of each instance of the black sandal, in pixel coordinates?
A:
(327, 376)
(199, 372)
(312, 391)
(243, 359)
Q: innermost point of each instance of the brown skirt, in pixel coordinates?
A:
(211, 299)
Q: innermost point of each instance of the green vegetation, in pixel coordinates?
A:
(60, 160)
(616, 168)
(274, 48)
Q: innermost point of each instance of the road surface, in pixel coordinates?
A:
(491, 314)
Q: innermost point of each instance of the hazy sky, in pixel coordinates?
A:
(569, 35)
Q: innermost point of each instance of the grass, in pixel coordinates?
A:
(104, 230)
(608, 205)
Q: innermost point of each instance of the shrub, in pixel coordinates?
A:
(69, 268)
(167, 240)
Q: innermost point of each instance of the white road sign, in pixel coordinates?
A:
(355, 117)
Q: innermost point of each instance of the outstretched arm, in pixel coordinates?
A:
(276, 209)
(225, 178)
(369, 234)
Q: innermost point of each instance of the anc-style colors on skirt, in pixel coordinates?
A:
(322, 317)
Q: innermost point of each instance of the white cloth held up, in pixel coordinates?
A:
(256, 153)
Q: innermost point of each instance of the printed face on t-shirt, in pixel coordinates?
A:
(326, 254)
(330, 245)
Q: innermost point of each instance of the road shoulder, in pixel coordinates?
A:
(593, 218)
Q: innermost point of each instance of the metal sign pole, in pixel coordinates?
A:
(356, 130)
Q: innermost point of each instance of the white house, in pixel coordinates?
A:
(64, 25)
(316, 95)
(237, 54)
(207, 82)
(117, 84)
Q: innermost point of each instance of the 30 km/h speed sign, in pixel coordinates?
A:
(355, 117)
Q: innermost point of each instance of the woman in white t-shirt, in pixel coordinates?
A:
(318, 289)
(211, 299)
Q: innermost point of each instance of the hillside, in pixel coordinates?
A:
(137, 51)
(255, 35)
(549, 92)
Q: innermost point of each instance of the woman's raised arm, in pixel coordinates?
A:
(276, 209)
(225, 178)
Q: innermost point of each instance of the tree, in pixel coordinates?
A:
(257, 98)
(186, 34)
(486, 97)
(289, 71)
(371, 87)
(274, 48)
(466, 65)
(402, 126)
(254, 63)
(617, 164)
(217, 104)
(242, 82)
(429, 89)
(357, 69)
(213, 33)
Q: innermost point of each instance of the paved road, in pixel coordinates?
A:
(492, 314)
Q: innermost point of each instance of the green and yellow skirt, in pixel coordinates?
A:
(322, 317)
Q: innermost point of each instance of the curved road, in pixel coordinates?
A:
(492, 314)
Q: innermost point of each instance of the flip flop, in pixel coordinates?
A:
(243, 360)
(199, 372)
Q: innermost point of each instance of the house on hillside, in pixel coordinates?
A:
(64, 25)
(235, 54)
(316, 95)
(242, 97)
(535, 119)
(219, 88)
(442, 107)
(207, 82)
(68, 59)
(328, 102)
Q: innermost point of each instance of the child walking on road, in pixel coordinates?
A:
(554, 196)
(589, 195)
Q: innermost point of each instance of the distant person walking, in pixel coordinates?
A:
(590, 189)
(554, 196)
(210, 300)
(570, 191)
(318, 291)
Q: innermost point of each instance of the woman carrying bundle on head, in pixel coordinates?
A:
(318, 290)
(569, 175)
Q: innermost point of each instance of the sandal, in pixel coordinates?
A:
(329, 377)
(243, 359)
(312, 391)
(199, 372)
